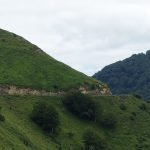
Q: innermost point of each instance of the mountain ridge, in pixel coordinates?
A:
(25, 65)
(129, 76)
(121, 122)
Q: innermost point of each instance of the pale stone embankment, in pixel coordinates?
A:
(14, 90)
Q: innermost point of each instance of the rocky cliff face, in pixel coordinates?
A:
(14, 90)
(99, 90)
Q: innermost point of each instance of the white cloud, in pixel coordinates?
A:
(85, 34)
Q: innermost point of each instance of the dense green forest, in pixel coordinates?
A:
(130, 76)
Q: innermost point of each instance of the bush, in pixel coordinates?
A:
(109, 120)
(81, 105)
(46, 117)
(133, 113)
(137, 96)
(70, 135)
(2, 118)
(3, 40)
(143, 106)
(92, 141)
(132, 118)
(123, 107)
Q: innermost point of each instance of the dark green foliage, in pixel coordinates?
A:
(131, 75)
(143, 106)
(2, 118)
(137, 96)
(3, 40)
(123, 107)
(132, 118)
(109, 120)
(80, 105)
(19, 132)
(70, 135)
(46, 117)
(133, 113)
(142, 143)
(25, 141)
(92, 141)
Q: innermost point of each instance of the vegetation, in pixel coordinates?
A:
(24, 64)
(46, 117)
(143, 106)
(2, 118)
(92, 141)
(109, 120)
(18, 131)
(123, 107)
(131, 75)
(81, 105)
(84, 107)
(137, 96)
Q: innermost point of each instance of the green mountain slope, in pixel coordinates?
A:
(131, 75)
(18, 132)
(24, 64)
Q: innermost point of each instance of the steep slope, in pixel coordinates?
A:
(131, 75)
(24, 68)
(25, 65)
(18, 132)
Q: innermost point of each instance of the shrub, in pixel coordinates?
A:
(92, 141)
(70, 135)
(46, 117)
(123, 107)
(2, 118)
(143, 106)
(137, 96)
(109, 120)
(81, 105)
(133, 113)
(133, 116)
(25, 140)
(3, 40)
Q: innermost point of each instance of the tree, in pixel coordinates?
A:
(2, 118)
(81, 105)
(45, 116)
(109, 120)
(92, 141)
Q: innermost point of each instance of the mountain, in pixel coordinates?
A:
(28, 76)
(130, 76)
(25, 65)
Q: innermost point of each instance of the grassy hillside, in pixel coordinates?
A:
(24, 64)
(131, 75)
(18, 132)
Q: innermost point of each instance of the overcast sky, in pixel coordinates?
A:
(85, 34)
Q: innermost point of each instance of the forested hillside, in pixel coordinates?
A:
(130, 76)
